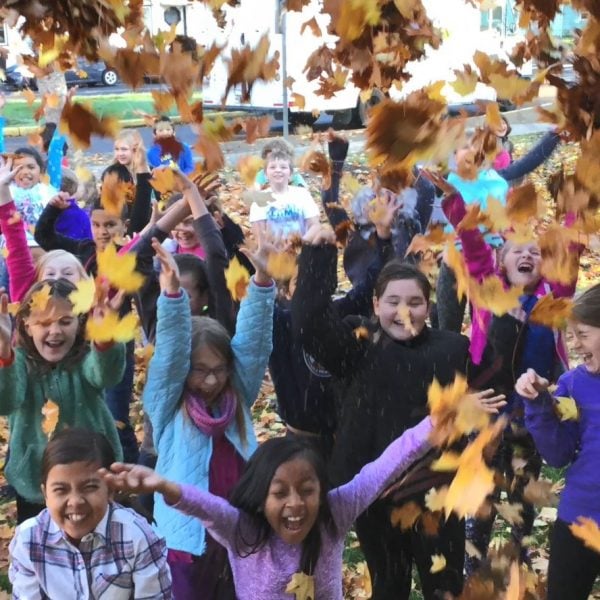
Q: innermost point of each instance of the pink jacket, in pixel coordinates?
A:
(479, 258)
(19, 262)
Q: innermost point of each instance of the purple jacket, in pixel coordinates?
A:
(571, 442)
(74, 222)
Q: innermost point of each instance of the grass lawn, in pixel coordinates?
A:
(19, 113)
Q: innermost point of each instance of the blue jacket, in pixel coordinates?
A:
(157, 159)
(184, 453)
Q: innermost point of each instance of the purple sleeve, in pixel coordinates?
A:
(216, 514)
(557, 441)
(349, 500)
(19, 262)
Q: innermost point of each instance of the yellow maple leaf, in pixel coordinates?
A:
(465, 82)
(408, 8)
(587, 530)
(119, 269)
(50, 412)
(456, 262)
(237, 279)
(493, 117)
(448, 461)
(83, 297)
(13, 308)
(491, 295)
(405, 516)
(354, 16)
(552, 312)
(282, 265)
(567, 408)
(302, 586)
(163, 180)
(39, 300)
(435, 498)
(496, 212)
(403, 314)
(438, 563)
(110, 328)
(249, 166)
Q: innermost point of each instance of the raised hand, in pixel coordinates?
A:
(5, 329)
(169, 272)
(7, 174)
(138, 479)
(489, 402)
(438, 181)
(530, 385)
(259, 257)
(60, 201)
(319, 234)
(382, 212)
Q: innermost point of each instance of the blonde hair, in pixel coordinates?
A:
(132, 138)
(43, 261)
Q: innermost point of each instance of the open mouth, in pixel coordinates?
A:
(54, 344)
(525, 267)
(293, 523)
(75, 517)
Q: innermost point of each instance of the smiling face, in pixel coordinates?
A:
(123, 152)
(185, 235)
(585, 341)
(29, 173)
(522, 263)
(105, 227)
(209, 373)
(278, 172)
(402, 309)
(77, 498)
(65, 266)
(53, 330)
(293, 500)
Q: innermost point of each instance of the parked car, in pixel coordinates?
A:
(87, 73)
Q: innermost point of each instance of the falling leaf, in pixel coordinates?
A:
(163, 180)
(115, 193)
(435, 498)
(282, 265)
(430, 522)
(39, 300)
(523, 203)
(472, 550)
(83, 297)
(493, 117)
(587, 530)
(403, 313)
(256, 127)
(237, 279)
(316, 162)
(551, 312)
(79, 122)
(496, 212)
(438, 563)
(110, 328)
(248, 167)
(355, 16)
(211, 151)
(465, 82)
(491, 295)
(313, 26)
(540, 492)
(298, 100)
(408, 8)
(406, 515)
(51, 413)
(566, 408)
(119, 269)
(361, 333)
(302, 586)
(163, 101)
(511, 513)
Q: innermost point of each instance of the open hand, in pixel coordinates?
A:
(530, 385)
(259, 257)
(7, 173)
(60, 201)
(169, 272)
(488, 402)
(383, 210)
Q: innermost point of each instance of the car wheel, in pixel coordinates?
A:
(109, 77)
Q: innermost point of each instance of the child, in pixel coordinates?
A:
(74, 221)
(504, 157)
(476, 182)
(129, 151)
(282, 518)
(515, 345)
(279, 145)
(50, 361)
(84, 544)
(382, 370)
(291, 210)
(198, 394)
(167, 148)
(573, 566)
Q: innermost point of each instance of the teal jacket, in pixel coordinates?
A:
(79, 394)
(183, 451)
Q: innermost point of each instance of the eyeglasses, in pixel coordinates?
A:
(218, 372)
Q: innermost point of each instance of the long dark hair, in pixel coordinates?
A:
(59, 289)
(586, 308)
(250, 495)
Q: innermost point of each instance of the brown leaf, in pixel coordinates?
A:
(313, 26)
(115, 194)
(80, 122)
(315, 161)
(406, 515)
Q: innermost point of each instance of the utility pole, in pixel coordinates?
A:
(286, 115)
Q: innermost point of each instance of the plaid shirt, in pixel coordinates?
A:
(122, 559)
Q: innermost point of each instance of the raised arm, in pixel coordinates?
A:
(533, 159)
(103, 367)
(142, 203)
(21, 268)
(45, 232)
(557, 441)
(324, 334)
(350, 500)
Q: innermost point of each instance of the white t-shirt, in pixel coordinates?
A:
(288, 213)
